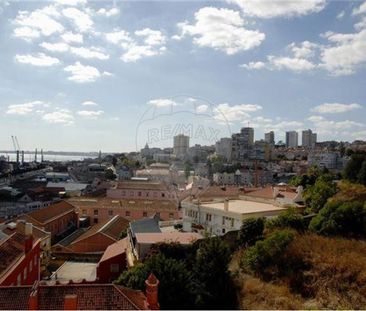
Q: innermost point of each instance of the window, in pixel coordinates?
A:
(144, 214)
(84, 211)
(208, 217)
(131, 193)
(147, 194)
(123, 193)
(223, 230)
(114, 267)
(171, 215)
(110, 212)
(139, 193)
(223, 221)
(95, 220)
(163, 194)
(128, 213)
(232, 222)
(95, 212)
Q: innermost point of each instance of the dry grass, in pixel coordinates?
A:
(332, 275)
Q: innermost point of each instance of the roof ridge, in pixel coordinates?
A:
(118, 288)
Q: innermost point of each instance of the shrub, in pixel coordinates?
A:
(289, 218)
(267, 253)
(341, 218)
(251, 231)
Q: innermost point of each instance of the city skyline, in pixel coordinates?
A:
(79, 76)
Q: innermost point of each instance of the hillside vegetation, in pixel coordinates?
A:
(315, 272)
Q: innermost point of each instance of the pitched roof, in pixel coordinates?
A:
(89, 297)
(168, 237)
(14, 297)
(129, 204)
(38, 233)
(112, 228)
(11, 249)
(115, 249)
(44, 215)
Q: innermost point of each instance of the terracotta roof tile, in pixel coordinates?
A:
(14, 297)
(11, 249)
(45, 214)
(145, 185)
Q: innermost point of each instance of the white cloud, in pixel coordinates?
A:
(304, 49)
(119, 37)
(60, 116)
(40, 59)
(162, 102)
(90, 114)
(221, 29)
(26, 33)
(26, 108)
(137, 52)
(341, 14)
(81, 19)
(201, 108)
(89, 103)
(280, 8)
(108, 13)
(152, 37)
(345, 54)
(253, 65)
(82, 73)
(89, 53)
(71, 2)
(294, 64)
(226, 113)
(41, 20)
(55, 47)
(360, 10)
(323, 125)
(335, 108)
(70, 37)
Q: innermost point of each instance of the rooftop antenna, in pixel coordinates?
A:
(35, 156)
(41, 155)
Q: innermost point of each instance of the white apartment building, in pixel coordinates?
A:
(181, 145)
(292, 139)
(218, 217)
(330, 160)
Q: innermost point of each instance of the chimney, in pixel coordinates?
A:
(33, 298)
(226, 204)
(28, 231)
(152, 284)
(70, 302)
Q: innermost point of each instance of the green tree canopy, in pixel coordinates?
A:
(251, 231)
(341, 218)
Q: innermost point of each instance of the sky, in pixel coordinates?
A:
(78, 75)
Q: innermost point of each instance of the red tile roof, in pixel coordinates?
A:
(11, 249)
(145, 185)
(89, 297)
(46, 214)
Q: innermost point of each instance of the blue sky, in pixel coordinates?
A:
(83, 75)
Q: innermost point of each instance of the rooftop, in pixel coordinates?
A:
(115, 249)
(244, 206)
(89, 297)
(46, 214)
(168, 237)
(145, 225)
(145, 185)
(76, 271)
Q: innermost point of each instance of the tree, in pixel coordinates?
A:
(354, 170)
(110, 175)
(290, 218)
(215, 290)
(317, 195)
(251, 231)
(175, 281)
(341, 218)
(267, 253)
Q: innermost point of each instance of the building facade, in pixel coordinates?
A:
(292, 139)
(180, 146)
